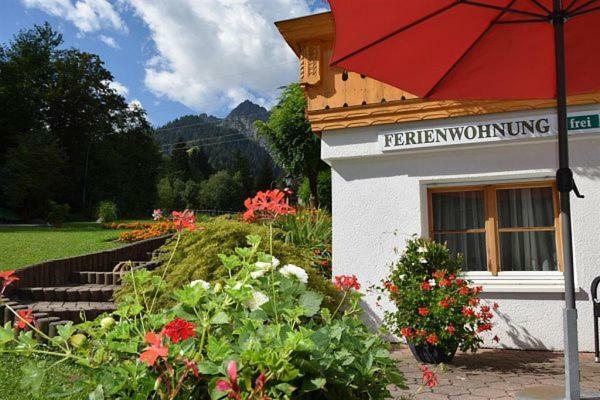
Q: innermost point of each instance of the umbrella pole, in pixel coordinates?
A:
(564, 179)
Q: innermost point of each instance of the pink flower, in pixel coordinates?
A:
(184, 220)
(231, 384)
(157, 214)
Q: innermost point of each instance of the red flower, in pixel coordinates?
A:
(346, 282)
(451, 277)
(267, 205)
(445, 283)
(445, 303)
(406, 332)
(155, 350)
(423, 311)
(259, 384)
(460, 282)
(484, 328)
(425, 286)
(7, 278)
(231, 384)
(184, 220)
(496, 306)
(429, 378)
(464, 290)
(390, 287)
(421, 332)
(485, 309)
(432, 339)
(451, 329)
(438, 274)
(478, 289)
(473, 301)
(179, 329)
(467, 312)
(24, 319)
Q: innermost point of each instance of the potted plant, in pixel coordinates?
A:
(436, 311)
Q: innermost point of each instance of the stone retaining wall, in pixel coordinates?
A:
(57, 272)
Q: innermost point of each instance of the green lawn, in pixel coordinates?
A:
(29, 245)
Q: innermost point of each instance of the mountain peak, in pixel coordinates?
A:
(249, 110)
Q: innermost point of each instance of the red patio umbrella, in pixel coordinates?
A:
(483, 49)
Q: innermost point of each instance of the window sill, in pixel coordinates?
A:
(519, 282)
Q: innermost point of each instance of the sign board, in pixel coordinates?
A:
(487, 131)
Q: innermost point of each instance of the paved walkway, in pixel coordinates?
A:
(495, 374)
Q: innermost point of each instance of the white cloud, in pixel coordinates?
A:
(119, 88)
(86, 15)
(212, 54)
(109, 41)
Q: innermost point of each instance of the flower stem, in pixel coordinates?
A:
(340, 305)
(162, 278)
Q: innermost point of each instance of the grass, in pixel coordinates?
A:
(23, 246)
(14, 383)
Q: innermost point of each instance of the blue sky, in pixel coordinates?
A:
(176, 57)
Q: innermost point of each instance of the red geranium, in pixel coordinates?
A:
(184, 220)
(445, 303)
(406, 332)
(267, 206)
(432, 339)
(451, 329)
(7, 278)
(24, 319)
(423, 311)
(390, 287)
(429, 378)
(425, 286)
(156, 349)
(445, 283)
(179, 329)
(464, 291)
(346, 282)
(468, 312)
(438, 274)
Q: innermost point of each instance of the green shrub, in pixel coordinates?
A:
(197, 257)
(323, 190)
(106, 211)
(57, 213)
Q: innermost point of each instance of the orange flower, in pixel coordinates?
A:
(390, 287)
(451, 329)
(7, 278)
(438, 274)
(445, 303)
(467, 312)
(464, 291)
(445, 283)
(406, 332)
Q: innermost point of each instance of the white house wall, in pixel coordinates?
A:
(380, 200)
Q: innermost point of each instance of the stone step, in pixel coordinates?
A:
(87, 292)
(76, 311)
(98, 277)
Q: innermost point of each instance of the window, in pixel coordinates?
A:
(506, 227)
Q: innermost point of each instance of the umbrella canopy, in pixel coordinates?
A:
(461, 49)
(484, 49)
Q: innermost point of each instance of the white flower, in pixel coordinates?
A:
(200, 282)
(261, 265)
(432, 282)
(401, 277)
(293, 270)
(274, 262)
(257, 300)
(422, 250)
(423, 260)
(257, 274)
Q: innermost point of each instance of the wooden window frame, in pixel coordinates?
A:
(491, 228)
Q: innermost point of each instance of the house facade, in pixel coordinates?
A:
(477, 175)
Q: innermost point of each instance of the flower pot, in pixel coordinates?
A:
(430, 354)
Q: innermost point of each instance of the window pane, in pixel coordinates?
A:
(457, 211)
(470, 245)
(528, 251)
(519, 208)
